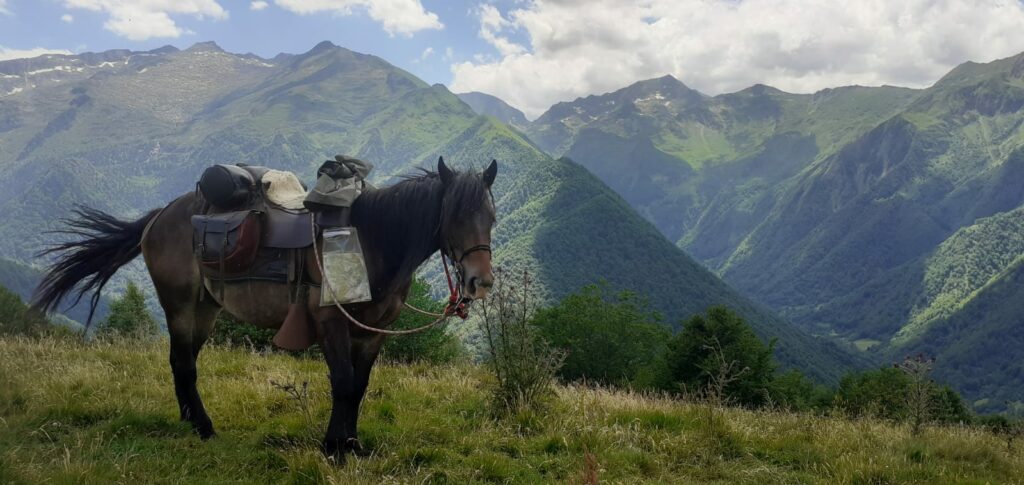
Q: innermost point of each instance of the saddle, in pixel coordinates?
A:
(242, 218)
(255, 224)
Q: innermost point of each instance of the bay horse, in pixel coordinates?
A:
(399, 227)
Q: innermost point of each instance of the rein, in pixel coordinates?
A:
(456, 304)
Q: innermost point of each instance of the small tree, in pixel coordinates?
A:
(610, 340)
(435, 345)
(918, 394)
(523, 364)
(129, 317)
(719, 354)
(16, 318)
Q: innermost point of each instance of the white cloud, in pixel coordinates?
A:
(258, 5)
(492, 24)
(67, 18)
(8, 54)
(146, 19)
(578, 48)
(426, 53)
(403, 17)
(3, 8)
(449, 54)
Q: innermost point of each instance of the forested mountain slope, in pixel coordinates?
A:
(847, 210)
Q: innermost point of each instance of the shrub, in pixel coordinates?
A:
(523, 364)
(794, 391)
(229, 330)
(891, 393)
(718, 353)
(609, 340)
(16, 318)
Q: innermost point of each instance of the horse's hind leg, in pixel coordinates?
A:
(189, 325)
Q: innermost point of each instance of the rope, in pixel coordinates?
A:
(424, 312)
(327, 283)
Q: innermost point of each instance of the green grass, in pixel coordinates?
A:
(105, 412)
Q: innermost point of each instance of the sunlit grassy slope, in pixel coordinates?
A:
(105, 412)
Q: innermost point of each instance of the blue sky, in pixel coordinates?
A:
(534, 53)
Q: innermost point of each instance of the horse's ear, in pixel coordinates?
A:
(447, 175)
(490, 172)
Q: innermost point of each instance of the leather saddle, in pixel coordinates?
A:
(239, 222)
(243, 235)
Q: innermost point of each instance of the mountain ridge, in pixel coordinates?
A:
(830, 208)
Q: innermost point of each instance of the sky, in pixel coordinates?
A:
(534, 53)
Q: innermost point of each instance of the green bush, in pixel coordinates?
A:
(717, 355)
(794, 391)
(16, 318)
(231, 331)
(129, 317)
(887, 393)
(609, 340)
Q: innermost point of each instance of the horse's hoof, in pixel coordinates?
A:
(204, 430)
(356, 447)
(334, 451)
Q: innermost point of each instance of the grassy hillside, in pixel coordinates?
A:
(105, 412)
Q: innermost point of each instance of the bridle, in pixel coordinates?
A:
(457, 303)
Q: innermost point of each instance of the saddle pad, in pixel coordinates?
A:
(284, 189)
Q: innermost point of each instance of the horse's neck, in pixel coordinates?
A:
(394, 247)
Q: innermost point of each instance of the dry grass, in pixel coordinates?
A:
(106, 412)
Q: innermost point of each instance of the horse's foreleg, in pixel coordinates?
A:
(337, 347)
(364, 354)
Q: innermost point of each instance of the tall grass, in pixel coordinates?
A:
(105, 412)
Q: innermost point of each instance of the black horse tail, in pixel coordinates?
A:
(102, 244)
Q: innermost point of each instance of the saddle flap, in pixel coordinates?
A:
(288, 230)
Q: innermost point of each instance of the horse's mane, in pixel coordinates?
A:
(406, 218)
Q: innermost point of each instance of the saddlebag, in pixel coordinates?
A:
(226, 243)
(227, 186)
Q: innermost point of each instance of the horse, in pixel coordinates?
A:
(399, 228)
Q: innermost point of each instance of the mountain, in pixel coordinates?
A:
(487, 105)
(875, 215)
(129, 134)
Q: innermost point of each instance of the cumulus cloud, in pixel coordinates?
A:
(403, 17)
(67, 18)
(491, 26)
(8, 54)
(146, 19)
(258, 5)
(578, 48)
(3, 8)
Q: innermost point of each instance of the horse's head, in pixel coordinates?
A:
(466, 222)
